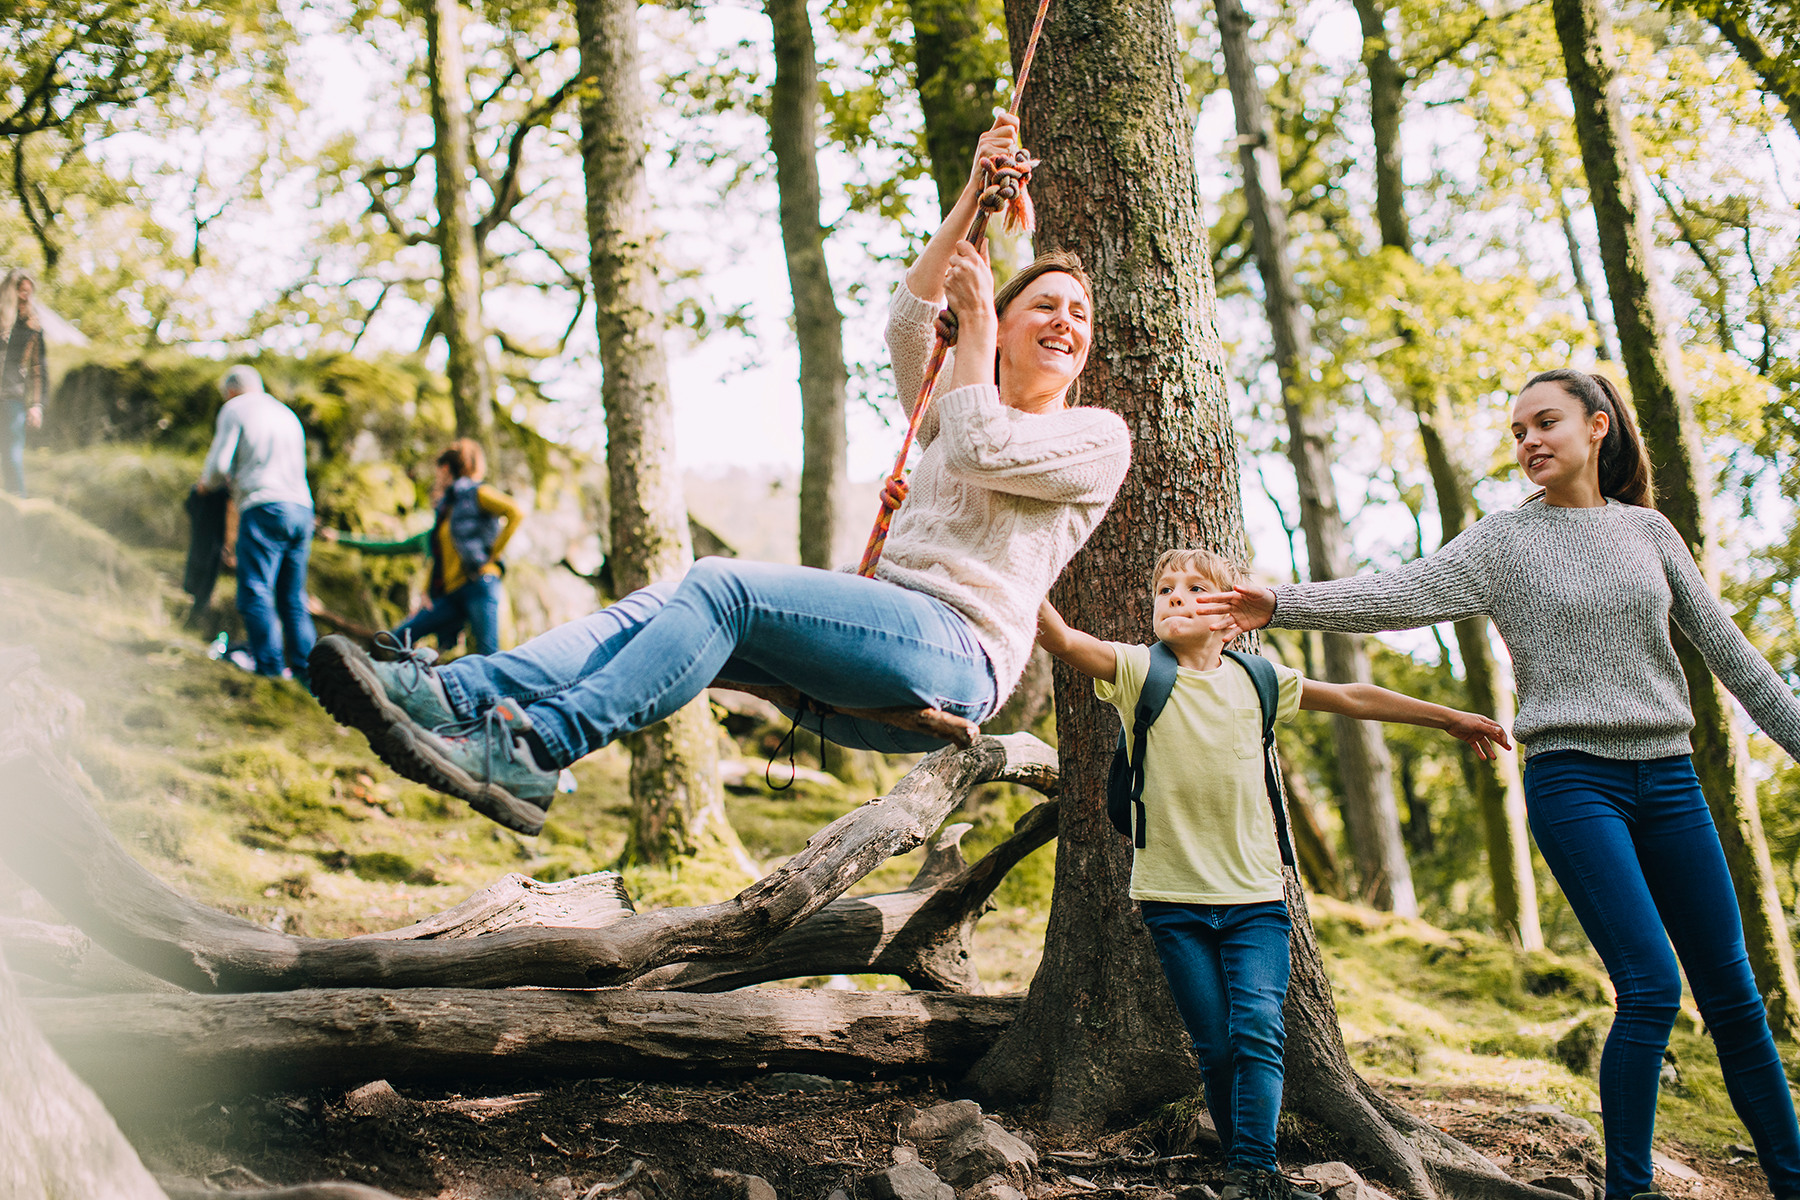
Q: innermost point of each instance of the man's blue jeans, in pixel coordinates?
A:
(842, 640)
(1228, 969)
(12, 427)
(274, 541)
(475, 604)
(1634, 849)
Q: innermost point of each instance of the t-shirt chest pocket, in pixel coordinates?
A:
(1246, 732)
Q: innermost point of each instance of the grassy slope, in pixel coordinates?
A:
(241, 792)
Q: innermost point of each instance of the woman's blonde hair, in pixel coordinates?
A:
(1215, 568)
(9, 302)
(1048, 263)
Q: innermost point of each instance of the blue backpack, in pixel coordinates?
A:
(1125, 781)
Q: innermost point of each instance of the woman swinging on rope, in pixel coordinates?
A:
(1009, 483)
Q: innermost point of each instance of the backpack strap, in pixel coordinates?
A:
(1268, 695)
(1152, 698)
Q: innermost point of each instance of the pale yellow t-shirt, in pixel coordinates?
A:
(1210, 833)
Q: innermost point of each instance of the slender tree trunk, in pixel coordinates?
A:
(1498, 789)
(676, 802)
(465, 336)
(1364, 767)
(1583, 288)
(1683, 486)
(819, 326)
(957, 88)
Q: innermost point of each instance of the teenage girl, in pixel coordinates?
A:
(1582, 581)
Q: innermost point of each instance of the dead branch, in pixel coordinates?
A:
(59, 844)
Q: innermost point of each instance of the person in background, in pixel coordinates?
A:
(474, 524)
(24, 376)
(259, 452)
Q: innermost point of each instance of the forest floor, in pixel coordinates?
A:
(242, 793)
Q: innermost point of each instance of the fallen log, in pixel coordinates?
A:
(58, 843)
(147, 1049)
(921, 934)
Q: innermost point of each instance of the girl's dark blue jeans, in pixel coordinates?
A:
(1228, 967)
(1634, 848)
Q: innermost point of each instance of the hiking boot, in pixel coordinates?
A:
(487, 762)
(1246, 1183)
(391, 702)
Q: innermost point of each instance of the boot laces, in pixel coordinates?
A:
(489, 726)
(418, 660)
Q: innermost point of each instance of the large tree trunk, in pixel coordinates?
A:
(146, 1050)
(957, 88)
(1498, 788)
(465, 336)
(1099, 1037)
(1364, 769)
(1683, 485)
(677, 807)
(818, 325)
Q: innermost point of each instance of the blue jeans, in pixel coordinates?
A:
(1634, 849)
(274, 541)
(475, 604)
(12, 427)
(839, 638)
(1228, 969)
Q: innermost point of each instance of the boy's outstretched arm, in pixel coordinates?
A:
(1367, 702)
(1083, 651)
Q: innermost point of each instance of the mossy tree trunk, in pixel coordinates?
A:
(818, 325)
(1371, 816)
(459, 314)
(677, 807)
(1498, 789)
(1683, 486)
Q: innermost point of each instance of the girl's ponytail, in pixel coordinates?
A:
(1625, 473)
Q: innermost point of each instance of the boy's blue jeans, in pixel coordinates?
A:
(1228, 968)
(274, 542)
(13, 424)
(841, 639)
(1634, 848)
(475, 604)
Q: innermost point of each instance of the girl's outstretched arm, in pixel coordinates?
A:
(925, 279)
(1367, 702)
(1083, 651)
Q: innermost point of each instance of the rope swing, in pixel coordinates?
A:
(1005, 178)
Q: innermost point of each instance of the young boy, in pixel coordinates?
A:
(1208, 879)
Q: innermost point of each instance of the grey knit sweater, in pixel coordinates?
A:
(1583, 598)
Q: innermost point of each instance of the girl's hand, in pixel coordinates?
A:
(1002, 139)
(1479, 731)
(1248, 606)
(969, 287)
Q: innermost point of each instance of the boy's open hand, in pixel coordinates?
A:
(1479, 731)
(1248, 606)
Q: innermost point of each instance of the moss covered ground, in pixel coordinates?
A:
(241, 792)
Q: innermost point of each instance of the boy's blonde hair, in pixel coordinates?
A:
(1220, 571)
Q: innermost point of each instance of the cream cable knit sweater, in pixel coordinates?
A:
(1583, 598)
(999, 501)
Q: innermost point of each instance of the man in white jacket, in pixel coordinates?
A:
(259, 451)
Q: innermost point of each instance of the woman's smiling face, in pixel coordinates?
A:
(1045, 333)
(1554, 439)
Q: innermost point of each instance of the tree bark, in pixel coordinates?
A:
(1498, 789)
(957, 88)
(151, 1050)
(1099, 1037)
(1364, 768)
(1318, 862)
(1683, 486)
(677, 807)
(818, 325)
(465, 335)
(1583, 288)
(58, 844)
